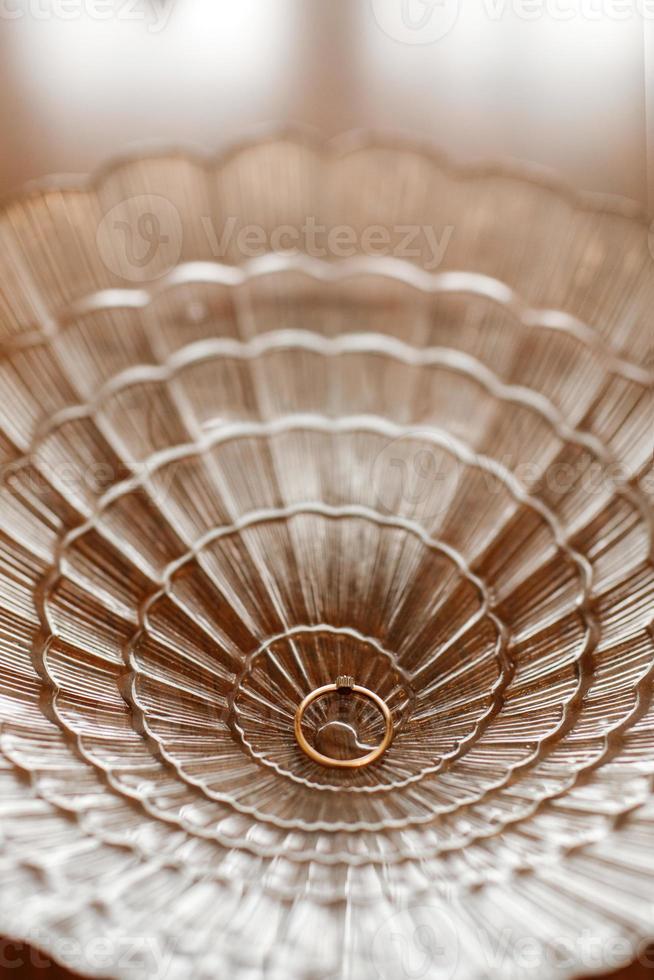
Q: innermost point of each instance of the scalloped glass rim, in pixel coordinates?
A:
(343, 144)
(586, 244)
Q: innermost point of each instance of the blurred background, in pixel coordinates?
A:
(566, 85)
(560, 83)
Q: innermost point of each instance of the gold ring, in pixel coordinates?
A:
(345, 685)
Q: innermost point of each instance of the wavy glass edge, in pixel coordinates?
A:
(610, 239)
(341, 145)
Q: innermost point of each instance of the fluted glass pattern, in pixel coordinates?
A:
(227, 480)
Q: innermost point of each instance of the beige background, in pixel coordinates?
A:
(565, 88)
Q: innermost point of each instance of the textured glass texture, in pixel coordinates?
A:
(229, 478)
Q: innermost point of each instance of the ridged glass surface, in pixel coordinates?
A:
(226, 483)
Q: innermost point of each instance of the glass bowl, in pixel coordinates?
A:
(300, 412)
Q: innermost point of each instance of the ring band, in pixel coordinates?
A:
(343, 684)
